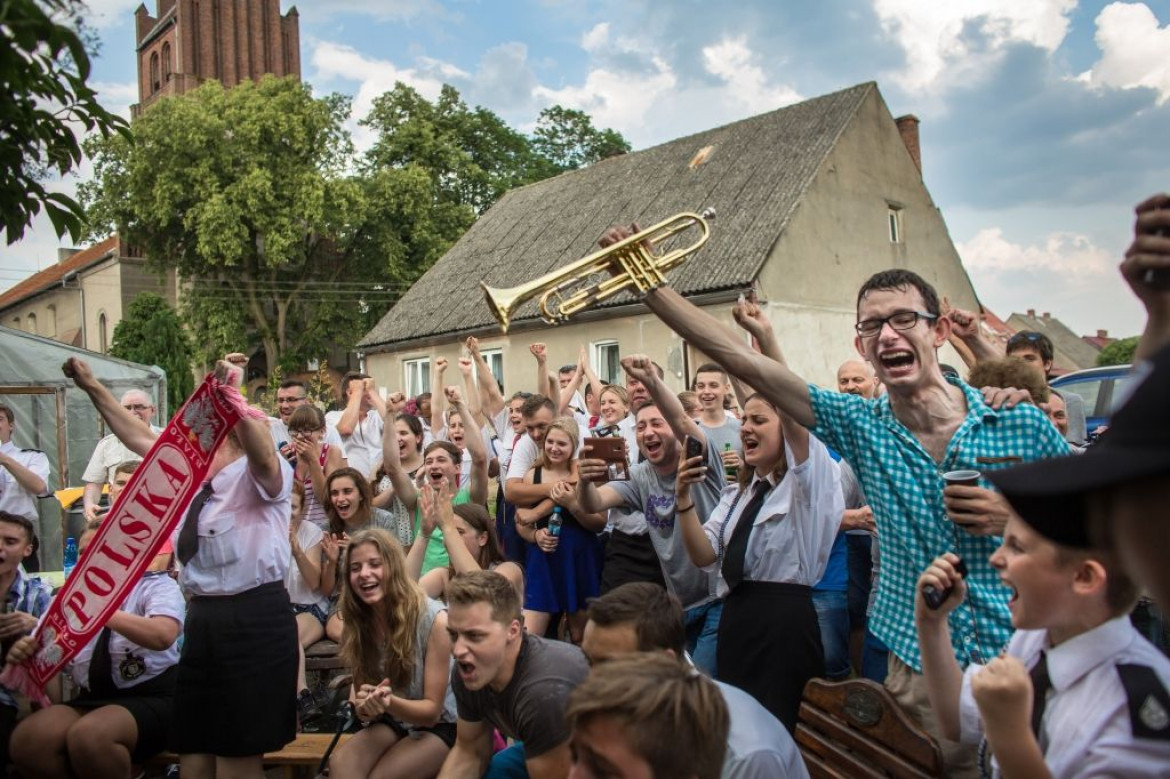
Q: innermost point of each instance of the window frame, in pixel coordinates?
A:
(595, 355)
(416, 385)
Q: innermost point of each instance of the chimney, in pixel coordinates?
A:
(1102, 333)
(64, 253)
(908, 129)
(1047, 315)
(1031, 313)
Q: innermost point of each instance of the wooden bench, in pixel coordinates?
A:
(299, 759)
(324, 656)
(856, 729)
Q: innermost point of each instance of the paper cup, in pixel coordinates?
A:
(963, 478)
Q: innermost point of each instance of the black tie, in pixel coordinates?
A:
(736, 553)
(1041, 684)
(101, 668)
(189, 534)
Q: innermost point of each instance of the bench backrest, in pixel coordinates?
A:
(856, 729)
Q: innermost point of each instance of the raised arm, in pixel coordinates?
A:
(972, 344)
(783, 388)
(130, 430)
(403, 485)
(264, 463)
(640, 367)
(540, 352)
(592, 377)
(473, 440)
(490, 397)
(438, 418)
(471, 393)
(351, 415)
(1150, 254)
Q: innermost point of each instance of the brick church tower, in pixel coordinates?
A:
(191, 41)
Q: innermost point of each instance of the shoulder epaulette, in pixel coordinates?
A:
(1149, 703)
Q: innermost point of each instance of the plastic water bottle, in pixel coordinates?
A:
(555, 522)
(70, 559)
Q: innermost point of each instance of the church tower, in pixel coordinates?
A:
(190, 41)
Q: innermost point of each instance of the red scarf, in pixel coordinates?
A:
(136, 529)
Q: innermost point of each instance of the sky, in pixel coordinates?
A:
(1043, 122)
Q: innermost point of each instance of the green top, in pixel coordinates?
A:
(437, 556)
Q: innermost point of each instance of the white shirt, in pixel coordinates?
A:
(109, 453)
(279, 431)
(794, 531)
(758, 746)
(1090, 717)
(155, 595)
(243, 534)
(523, 456)
(363, 447)
(299, 592)
(14, 498)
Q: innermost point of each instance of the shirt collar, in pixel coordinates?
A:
(1079, 655)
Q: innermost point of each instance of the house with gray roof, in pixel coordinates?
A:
(811, 199)
(1070, 351)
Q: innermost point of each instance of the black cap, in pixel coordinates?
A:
(1050, 494)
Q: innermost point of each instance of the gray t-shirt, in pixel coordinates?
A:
(417, 687)
(720, 437)
(654, 494)
(531, 708)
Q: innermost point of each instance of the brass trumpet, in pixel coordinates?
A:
(629, 263)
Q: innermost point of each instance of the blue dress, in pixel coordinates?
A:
(566, 578)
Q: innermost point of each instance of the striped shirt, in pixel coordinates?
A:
(904, 486)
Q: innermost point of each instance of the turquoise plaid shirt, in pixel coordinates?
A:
(904, 486)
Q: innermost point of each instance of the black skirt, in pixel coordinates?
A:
(769, 645)
(151, 704)
(236, 692)
(630, 558)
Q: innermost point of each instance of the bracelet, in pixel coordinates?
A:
(679, 510)
(424, 535)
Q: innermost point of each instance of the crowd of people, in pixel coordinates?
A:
(657, 575)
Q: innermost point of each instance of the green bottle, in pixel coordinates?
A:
(731, 471)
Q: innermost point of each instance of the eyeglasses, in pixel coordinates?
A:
(305, 433)
(292, 400)
(136, 407)
(903, 320)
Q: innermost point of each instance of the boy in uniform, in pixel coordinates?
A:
(1078, 691)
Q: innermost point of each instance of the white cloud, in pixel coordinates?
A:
(1135, 51)
(733, 62)
(596, 38)
(935, 35)
(614, 98)
(104, 14)
(383, 10)
(1068, 254)
(116, 97)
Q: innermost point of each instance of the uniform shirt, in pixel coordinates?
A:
(32, 596)
(1094, 723)
(14, 498)
(363, 447)
(243, 534)
(155, 595)
(653, 493)
(905, 489)
(758, 745)
(794, 531)
(109, 453)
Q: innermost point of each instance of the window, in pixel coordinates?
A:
(495, 360)
(52, 323)
(32, 323)
(894, 216)
(166, 62)
(103, 332)
(154, 83)
(418, 376)
(607, 361)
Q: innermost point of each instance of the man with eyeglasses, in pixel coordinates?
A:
(110, 452)
(291, 395)
(900, 445)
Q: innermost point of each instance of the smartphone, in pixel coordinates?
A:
(694, 447)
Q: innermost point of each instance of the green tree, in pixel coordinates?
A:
(567, 138)
(1120, 352)
(250, 194)
(152, 334)
(44, 99)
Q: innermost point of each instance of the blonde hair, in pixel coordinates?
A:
(617, 391)
(380, 641)
(568, 426)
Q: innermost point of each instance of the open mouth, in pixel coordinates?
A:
(750, 446)
(897, 359)
(369, 588)
(466, 669)
(344, 509)
(436, 477)
(652, 447)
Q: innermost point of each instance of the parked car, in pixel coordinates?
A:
(1101, 389)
